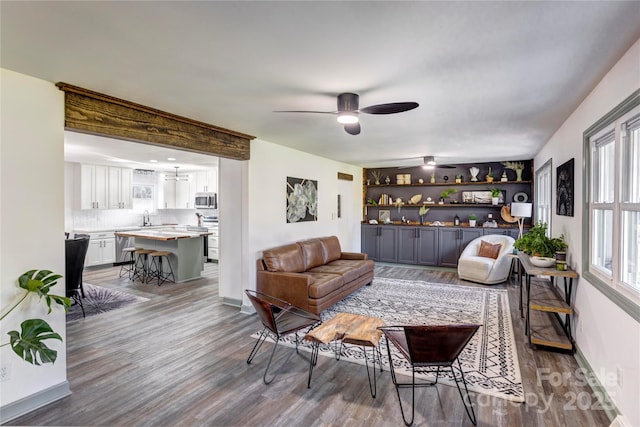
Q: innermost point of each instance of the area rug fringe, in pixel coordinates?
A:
(490, 360)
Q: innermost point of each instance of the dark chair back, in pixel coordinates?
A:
(439, 344)
(75, 251)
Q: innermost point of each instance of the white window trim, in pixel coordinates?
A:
(621, 294)
(544, 191)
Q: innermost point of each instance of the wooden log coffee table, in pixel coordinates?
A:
(352, 329)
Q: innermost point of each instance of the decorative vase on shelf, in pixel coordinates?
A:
(474, 173)
(519, 174)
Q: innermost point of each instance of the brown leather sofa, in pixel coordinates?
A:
(312, 274)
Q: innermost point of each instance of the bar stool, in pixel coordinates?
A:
(128, 260)
(156, 270)
(141, 266)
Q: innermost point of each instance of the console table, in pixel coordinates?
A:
(544, 297)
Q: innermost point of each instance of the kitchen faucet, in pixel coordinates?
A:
(145, 219)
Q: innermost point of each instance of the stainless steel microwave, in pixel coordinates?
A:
(206, 201)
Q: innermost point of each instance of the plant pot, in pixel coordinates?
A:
(458, 180)
(489, 179)
(561, 256)
(494, 200)
(561, 265)
(541, 261)
(472, 223)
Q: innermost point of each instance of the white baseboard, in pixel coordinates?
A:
(37, 400)
(609, 407)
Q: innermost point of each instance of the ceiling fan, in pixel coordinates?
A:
(429, 162)
(348, 110)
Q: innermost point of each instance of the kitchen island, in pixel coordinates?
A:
(186, 249)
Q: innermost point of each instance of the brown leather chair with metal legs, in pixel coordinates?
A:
(430, 346)
(279, 318)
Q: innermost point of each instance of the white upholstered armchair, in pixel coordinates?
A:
(477, 262)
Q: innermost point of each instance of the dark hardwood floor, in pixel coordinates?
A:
(179, 360)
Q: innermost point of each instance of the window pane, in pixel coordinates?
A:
(604, 171)
(602, 233)
(631, 165)
(630, 261)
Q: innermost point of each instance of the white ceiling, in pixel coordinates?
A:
(494, 79)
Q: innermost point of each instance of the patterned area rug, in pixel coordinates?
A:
(99, 300)
(489, 361)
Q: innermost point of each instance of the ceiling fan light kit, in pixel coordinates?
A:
(347, 118)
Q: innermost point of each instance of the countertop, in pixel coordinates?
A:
(163, 234)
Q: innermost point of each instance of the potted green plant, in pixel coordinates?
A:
(472, 220)
(29, 342)
(541, 248)
(447, 193)
(489, 175)
(458, 178)
(495, 196)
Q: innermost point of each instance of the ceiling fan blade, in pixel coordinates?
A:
(445, 167)
(305, 111)
(391, 108)
(352, 128)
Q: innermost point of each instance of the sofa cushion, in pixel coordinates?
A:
(324, 283)
(349, 269)
(288, 258)
(312, 252)
(332, 250)
(475, 266)
(489, 250)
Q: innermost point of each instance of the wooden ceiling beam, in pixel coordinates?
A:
(91, 112)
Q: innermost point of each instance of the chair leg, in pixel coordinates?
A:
(257, 345)
(77, 297)
(472, 414)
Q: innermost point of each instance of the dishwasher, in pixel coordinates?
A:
(123, 242)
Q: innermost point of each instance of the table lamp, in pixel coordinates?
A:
(521, 211)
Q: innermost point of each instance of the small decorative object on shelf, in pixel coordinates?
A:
(387, 180)
(489, 175)
(447, 193)
(504, 177)
(472, 220)
(433, 178)
(377, 176)
(518, 167)
(458, 179)
(474, 173)
(456, 220)
(422, 212)
(420, 181)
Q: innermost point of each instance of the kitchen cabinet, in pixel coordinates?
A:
(452, 241)
(178, 195)
(102, 249)
(93, 181)
(379, 242)
(120, 193)
(205, 181)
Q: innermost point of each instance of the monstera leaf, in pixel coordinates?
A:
(40, 282)
(29, 343)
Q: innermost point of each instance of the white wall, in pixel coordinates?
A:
(31, 219)
(269, 167)
(607, 336)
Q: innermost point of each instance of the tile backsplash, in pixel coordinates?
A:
(94, 219)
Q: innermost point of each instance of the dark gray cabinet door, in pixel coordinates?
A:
(369, 241)
(427, 246)
(448, 247)
(387, 243)
(501, 231)
(408, 245)
(466, 236)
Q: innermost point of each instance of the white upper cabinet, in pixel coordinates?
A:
(120, 181)
(206, 181)
(93, 186)
(178, 195)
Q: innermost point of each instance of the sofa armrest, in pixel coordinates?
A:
(354, 255)
(290, 287)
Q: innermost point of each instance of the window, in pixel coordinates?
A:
(543, 189)
(612, 205)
